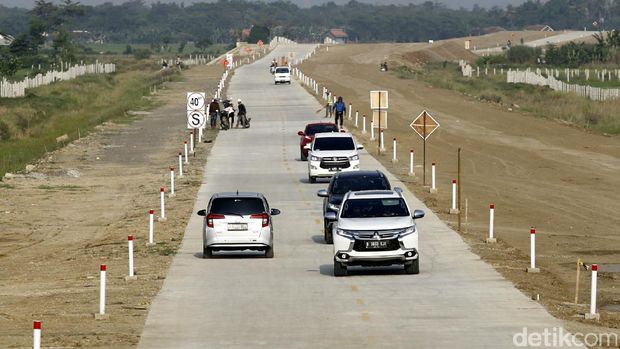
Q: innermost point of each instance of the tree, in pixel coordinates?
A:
(203, 43)
(62, 46)
(8, 65)
(258, 32)
(22, 46)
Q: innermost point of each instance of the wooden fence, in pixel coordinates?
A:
(18, 89)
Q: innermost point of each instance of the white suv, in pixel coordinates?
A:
(237, 221)
(375, 227)
(282, 75)
(330, 153)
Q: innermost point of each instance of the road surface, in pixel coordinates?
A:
(293, 300)
(577, 36)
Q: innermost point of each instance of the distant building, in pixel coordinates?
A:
(336, 36)
(539, 27)
(6, 39)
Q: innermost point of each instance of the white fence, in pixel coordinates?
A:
(280, 40)
(18, 89)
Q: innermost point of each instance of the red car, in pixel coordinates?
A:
(307, 136)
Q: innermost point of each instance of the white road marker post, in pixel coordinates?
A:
(364, 124)
(433, 189)
(593, 315)
(372, 130)
(411, 165)
(186, 152)
(191, 142)
(151, 233)
(102, 315)
(36, 335)
(394, 158)
(200, 130)
(349, 111)
(172, 194)
(131, 276)
(491, 239)
(180, 164)
(532, 268)
(381, 141)
(162, 205)
(356, 118)
(454, 209)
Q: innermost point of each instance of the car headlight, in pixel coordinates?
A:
(407, 231)
(315, 158)
(333, 207)
(354, 157)
(344, 233)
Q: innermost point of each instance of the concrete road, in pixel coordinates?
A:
(293, 301)
(566, 37)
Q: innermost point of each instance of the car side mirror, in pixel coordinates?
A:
(202, 213)
(360, 147)
(322, 193)
(330, 216)
(300, 133)
(417, 214)
(275, 212)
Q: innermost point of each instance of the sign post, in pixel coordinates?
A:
(424, 125)
(379, 101)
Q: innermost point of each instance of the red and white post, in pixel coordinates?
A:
(102, 271)
(372, 130)
(186, 152)
(491, 239)
(172, 194)
(394, 158)
(151, 221)
(191, 142)
(180, 164)
(200, 130)
(356, 118)
(411, 163)
(532, 268)
(364, 124)
(433, 189)
(454, 209)
(593, 315)
(381, 141)
(36, 335)
(131, 275)
(162, 205)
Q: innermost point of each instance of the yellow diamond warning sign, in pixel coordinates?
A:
(424, 125)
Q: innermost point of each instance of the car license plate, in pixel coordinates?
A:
(334, 169)
(376, 244)
(237, 226)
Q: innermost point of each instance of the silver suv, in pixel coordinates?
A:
(375, 227)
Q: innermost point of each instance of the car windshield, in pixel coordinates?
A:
(374, 208)
(282, 71)
(313, 129)
(334, 143)
(357, 183)
(237, 206)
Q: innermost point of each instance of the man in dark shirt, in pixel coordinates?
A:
(241, 114)
(214, 110)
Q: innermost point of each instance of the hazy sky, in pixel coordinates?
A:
(449, 3)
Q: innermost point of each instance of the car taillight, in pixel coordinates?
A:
(211, 217)
(263, 216)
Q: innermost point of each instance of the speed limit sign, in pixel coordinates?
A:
(196, 119)
(196, 100)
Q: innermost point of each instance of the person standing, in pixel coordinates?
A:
(214, 110)
(241, 114)
(329, 112)
(340, 108)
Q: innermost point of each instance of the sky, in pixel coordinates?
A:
(306, 3)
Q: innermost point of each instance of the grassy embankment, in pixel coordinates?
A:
(540, 101)
(29, 126)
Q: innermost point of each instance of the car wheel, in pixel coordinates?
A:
(339, 269)
(207, 252)
(269, 252)
(413, 267)
(327, 233)
(312, 179)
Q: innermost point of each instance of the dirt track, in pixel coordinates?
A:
(58, 229)
(559, 179)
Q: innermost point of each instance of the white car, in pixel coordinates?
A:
(238, 221)
(282, 75)
(330, 153)
(375, 227)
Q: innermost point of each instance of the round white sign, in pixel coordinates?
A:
(195, 101)
(196, 119)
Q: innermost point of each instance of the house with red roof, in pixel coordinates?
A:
(336, 36)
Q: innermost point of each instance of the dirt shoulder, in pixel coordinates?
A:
(559, 179)
(75, 211)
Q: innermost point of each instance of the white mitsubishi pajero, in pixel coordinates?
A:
(375, 227)
(330, 153)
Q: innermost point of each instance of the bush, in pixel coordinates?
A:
(5, 131)
(523, 54)
(141, 53)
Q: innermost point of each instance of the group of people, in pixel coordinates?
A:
(227, 114)
(335, 107)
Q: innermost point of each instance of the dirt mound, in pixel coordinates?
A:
(444, 51)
